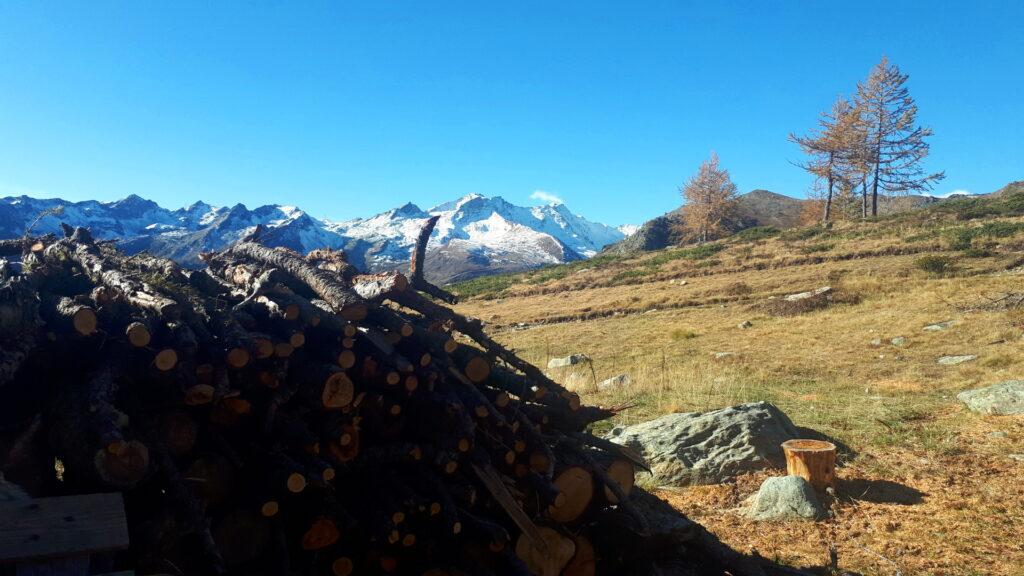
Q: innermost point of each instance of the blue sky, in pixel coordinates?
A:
(348, 109)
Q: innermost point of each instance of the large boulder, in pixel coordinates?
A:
(954, 360)
(570, 360)
(1002, 398)
(785, 498)
(619, 382)
(710, 447)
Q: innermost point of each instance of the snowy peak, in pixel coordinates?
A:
(475, 234)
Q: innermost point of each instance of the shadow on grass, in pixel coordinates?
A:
(880, 491)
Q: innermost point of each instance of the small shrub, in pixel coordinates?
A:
(783, 307)
(802, 233)
(681, 334)
(632, 274)
(935, 265)
(486, 287)
(977, 253)
(738, 289)
(699, 252)
(756, 233)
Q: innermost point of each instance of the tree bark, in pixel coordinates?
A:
(321, 282)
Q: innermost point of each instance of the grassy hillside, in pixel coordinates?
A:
(928, 487)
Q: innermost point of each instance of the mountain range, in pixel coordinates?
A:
(475, 235)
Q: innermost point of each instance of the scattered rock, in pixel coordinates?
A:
(876, 342)
(898, 341)
(570, 360)
(806, 295)
(745, 324)
(938, 326)
(614, 383)
(721, 355)
(1017, 457)
(1002, 398)
(998, 434)
(710, 447)
(785, 498)
(954, 360)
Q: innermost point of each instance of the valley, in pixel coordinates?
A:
(926, 486)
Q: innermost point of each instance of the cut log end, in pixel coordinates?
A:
(548, 557)
(622, 472)
(342, 567)
(138, 334)
(477, 369)
(270, 509)
(320, 535)
(338, 391)
(295, 483)
(577, 484)
(165, 359)
(237, 358)
(122, 464)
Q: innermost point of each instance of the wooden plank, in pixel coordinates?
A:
(57, 567)
(62, 526)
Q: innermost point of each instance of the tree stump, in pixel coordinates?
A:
(813, 460)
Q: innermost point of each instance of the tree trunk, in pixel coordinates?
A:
(828, 198)
(864, 198)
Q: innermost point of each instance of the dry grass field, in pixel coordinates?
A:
(927, 487)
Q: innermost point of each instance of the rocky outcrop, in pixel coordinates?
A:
(570, 360)
(1002, 398)
(785, 498)
(710, 447)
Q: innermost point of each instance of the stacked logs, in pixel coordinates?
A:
(285, 414)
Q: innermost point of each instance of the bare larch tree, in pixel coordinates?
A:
(834, 150)
(894, 143)
(710, 197)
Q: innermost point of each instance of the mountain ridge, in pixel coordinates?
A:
(475, 234)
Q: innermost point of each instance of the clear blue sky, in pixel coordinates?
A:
(347, 109)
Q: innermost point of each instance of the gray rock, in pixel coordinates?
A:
(745, 324)
(954, 360)
(876, 342)
(721, 355)
(614, 383)
(898, 341)
(786, 498)
(1017, 457)
(710, 447)
(806, 295)
(997, 434)
(570, 360)
(1002, 398)
(938, 326)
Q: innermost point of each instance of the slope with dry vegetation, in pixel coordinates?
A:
(926, 486)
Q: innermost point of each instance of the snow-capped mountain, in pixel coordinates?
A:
(475, 235)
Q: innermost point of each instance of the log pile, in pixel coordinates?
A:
(276, 413)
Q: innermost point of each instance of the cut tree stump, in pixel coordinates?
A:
(812, 460)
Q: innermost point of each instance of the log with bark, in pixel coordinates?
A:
(285, 414)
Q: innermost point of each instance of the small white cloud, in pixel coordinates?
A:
(544, 196)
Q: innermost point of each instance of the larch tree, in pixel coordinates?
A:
(835, 150)
(710, 197)
(894, 144)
